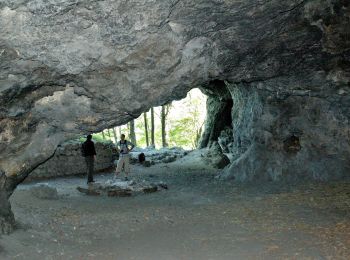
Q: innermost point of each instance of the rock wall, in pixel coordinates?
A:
(72, 66)
(287, 135)
(219, 106)
(68, 161)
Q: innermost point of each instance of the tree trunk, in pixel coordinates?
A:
(163, 119)
(132, 132)
(146, 128)
(120, 130)
(103, 135)
(7, 219)
(152, 127)
(198, 137)
(109, 134)
(115, 135)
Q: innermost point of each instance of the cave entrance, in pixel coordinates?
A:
(219, 119)
(200, 120)
(177, 161)
(179, 123)
(164, 134)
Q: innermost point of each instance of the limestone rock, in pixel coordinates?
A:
(283, 137)
(225, 140)
(215, 157)
(221, 161)
(169, 159)
(90, 65)
(147, 164)
(118, 188)
(89, 191)
(44, 191)
(219, 106)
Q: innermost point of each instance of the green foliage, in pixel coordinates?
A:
(95, 137)
(184, 123)
(186, 130)
(180, 133)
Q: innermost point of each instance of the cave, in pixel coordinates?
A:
(276, 74)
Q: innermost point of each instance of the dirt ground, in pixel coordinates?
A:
(198, 217)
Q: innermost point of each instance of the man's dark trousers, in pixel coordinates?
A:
(90, 167)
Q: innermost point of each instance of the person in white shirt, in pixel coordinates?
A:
(124, 147)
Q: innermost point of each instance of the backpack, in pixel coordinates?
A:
(142, 157)
(125, 143)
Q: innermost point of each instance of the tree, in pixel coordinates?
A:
(109, 134)
(132, 132)
(152, 127)
(185, 128)
(182, 125)
(164, 114)
(183, 132)
(146, 127)
(115, 135)
(103, 135)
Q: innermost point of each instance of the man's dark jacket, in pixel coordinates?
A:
(89, 148)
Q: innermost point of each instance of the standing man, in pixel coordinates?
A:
(88, 150)
(124, 156)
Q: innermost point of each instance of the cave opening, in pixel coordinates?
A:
(178, 123)
(163, 133)
(200, 121)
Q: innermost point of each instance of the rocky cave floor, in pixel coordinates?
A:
(198, 217)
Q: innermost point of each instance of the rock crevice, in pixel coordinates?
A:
(287, 137)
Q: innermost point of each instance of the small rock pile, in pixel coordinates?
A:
(118, 188)
(153, 156)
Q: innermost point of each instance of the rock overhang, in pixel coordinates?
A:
(81, 66)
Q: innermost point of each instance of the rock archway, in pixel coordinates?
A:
(70, 67)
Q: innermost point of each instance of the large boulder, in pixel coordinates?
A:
(215, 156)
